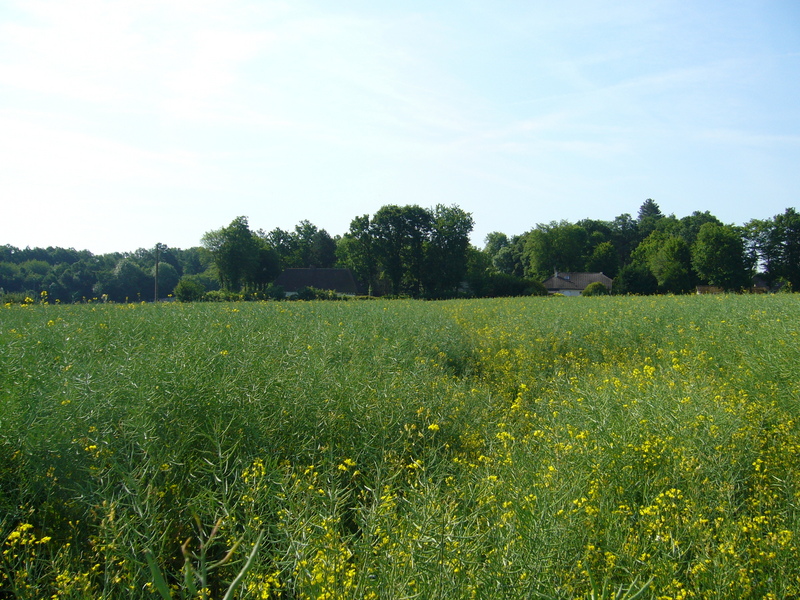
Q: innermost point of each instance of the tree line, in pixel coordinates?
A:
(400, 250)
(69, 275)
(426, 253)
(657, 253)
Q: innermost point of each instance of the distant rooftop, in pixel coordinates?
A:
(341, 281)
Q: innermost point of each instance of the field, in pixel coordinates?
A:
(516, 448)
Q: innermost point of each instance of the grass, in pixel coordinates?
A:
(518, 448)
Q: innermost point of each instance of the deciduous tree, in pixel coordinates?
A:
(236, 253)
(719, 256)
(557, 246)
(781, 249)
(446, 250)
(355, 250)
(399, 235)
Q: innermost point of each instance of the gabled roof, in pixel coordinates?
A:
(338, 280)
(575, 281)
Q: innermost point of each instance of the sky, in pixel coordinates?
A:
(128, 123)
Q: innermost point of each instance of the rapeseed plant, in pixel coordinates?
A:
(519, 448)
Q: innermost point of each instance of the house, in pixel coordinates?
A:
(341, 281)
(572, 284)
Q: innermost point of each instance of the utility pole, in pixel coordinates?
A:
(158, 247)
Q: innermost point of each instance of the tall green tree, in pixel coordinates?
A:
(323, 250)
(648, 217)
(389, 234)
(494, 242)
(236, 253)
(285, 245)
(400, 234)
(128, 282)
(781, 247)
(635, 278)
(306, 246)
(671, 265)
(446, 251)
(33, 273)
(168, 278)
(624, 236)
(668, 257)
(509, 259)
(265, 268)
(11, 280)
(689, 227)
(719, 256)
(77, 281)
(556, 246)
(649, 209)
(755, 233)
(355, 250)
(603, 259)
(193, 261)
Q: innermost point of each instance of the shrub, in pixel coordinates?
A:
(595, 289)
(189, 289)
(274, 292)
(222, 296)
(312, 293)
(18, 298)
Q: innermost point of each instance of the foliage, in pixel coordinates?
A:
(399, 234)
(556, 246)
(167, 278)
(510, 259)
(778, 243)
(306, 246)
(189, 289)
(356, 251)
(500, 285)
(603, 259)
(595, 289)
(274, 292)
(425, 253)
(719, 257)
(648, 218)
(495, 241)
(312, 293)
(224, 296)
(236, 253)
(127, 282)
(668, 259)
(446, 256)
(635, 278)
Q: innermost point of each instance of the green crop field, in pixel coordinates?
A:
(519, 448)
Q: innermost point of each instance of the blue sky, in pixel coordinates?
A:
(126, 123)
